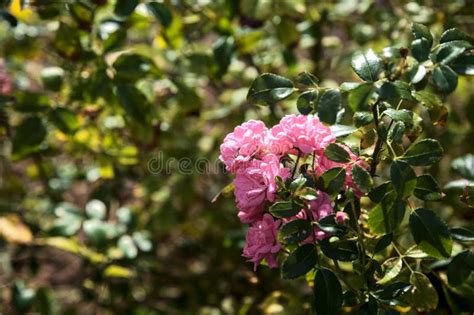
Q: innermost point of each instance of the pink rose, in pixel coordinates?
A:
(341, 217)
(304, 132)
(323, 164)
(255, 184)
(262, 241)
(246, 142)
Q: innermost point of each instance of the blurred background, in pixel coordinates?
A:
(96, 96)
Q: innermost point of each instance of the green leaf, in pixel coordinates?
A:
(329, 105)
(464, 65)
(368, 66)
(417, 74)
(420, 49)
(423, 295)
(378, 193)
(307, 79)
(64, 119)
(133, 102)
(403, 115)
(383, 242)
(427, 188)
(295, 231)
(125, 8)
(421, 31)
(460, 268)
(22, 297)
(428, 99)
(342, 250)
(445, 79)
(461, 234)
(342, 130)
(132, 67)
(332, 180)
(362, 178)
(307, 102)
(464, 165)
(403, 178)
(96, 209)
(327, 293)
(448, 54)
(337, 153)
(453, 34)
(360, 97)
(363, 119)
(142, 240)
(387, 216)
(424, 152)
(284, 209)
(393, 266)
(269, 88)
(328, 224)
(430, 233)
(52, 78)
(299, 262)
(393, 291)
(395, 134)
(28, 136)
(161, 12)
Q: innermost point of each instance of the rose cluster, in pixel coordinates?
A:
(256, 155)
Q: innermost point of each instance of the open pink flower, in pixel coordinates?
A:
(246, 142)
(255, 184)
(262, 241)
(304, 132)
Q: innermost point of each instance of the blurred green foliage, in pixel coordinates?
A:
(101, 88)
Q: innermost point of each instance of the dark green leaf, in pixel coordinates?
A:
(453, 34)
(284, 209)
(403, 115)
(299, 262)
(328, 224)
(337, 153)
(445, 79)
(368, 66)
(64, 119)
(395, 134)
(329, 105)
(342, 250)
(403, 178)
(428, 99)
(387, 215)
(52, 78)
(424, 152)
(307, 102)
(420, 49)
(423, 295)
(161, 12)
(377, 194)
(28, 136)
(133, 102)
(295, 231)
(125, 8)
(393, 291)
(332, 180)
(327, 293)
(417, 74)
(223, 50)
(464, 65)
(383, 242)
(134, 67)
(360, 97)
(362, 178)
(447, 54)
(462, 235)
(430, 233)
(307, 79)
(427, 188)
(460, 267)
(363, 119)
(421, 31)
(269, 88)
